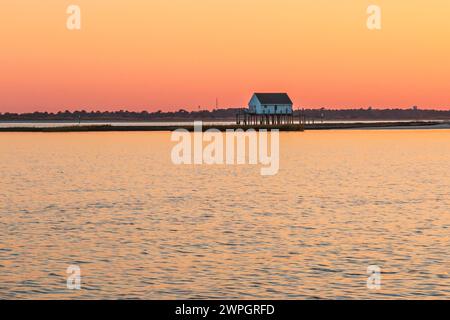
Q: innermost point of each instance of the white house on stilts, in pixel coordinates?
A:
(268, 109)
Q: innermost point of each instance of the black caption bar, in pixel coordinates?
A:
(227, 309)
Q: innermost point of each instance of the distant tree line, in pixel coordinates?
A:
(227, 115)
(378, 114)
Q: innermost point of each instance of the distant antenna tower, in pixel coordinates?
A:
(217, 103)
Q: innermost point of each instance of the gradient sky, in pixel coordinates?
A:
(160, 54)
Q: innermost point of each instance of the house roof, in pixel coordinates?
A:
(273, 98)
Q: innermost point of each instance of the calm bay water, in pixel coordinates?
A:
(140, 227)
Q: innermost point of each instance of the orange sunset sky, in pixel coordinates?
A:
(171, 54)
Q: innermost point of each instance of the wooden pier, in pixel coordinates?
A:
(246, 119)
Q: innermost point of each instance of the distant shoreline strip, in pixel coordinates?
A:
(189, 127)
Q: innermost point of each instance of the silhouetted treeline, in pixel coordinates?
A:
(122, 115)
(378, 114)
(227, 114)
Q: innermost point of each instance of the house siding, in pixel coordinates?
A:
(255, 106)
